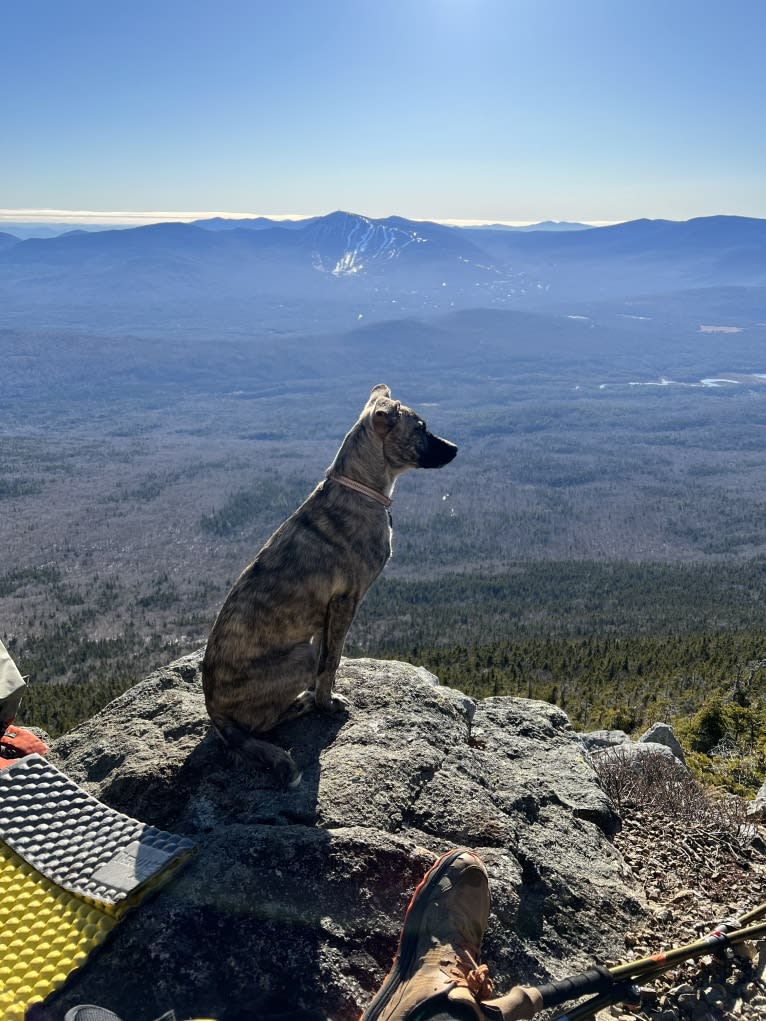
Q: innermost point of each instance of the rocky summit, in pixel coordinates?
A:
(293, 905)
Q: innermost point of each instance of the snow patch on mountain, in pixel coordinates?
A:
(361, 242)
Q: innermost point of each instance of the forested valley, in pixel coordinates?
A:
(599, 541)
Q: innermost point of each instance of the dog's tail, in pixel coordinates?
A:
(264, 753)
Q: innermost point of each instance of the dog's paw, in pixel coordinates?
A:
(287, 773)
(303, 704)
(335, 704)
(339, 704)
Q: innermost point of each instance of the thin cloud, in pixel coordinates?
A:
(126, 217)
(136, 219)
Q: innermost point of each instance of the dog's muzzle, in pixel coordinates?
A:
(438, 453)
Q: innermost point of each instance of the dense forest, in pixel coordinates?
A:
(617, 646)
(710, 686)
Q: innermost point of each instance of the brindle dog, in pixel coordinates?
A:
(276, 645)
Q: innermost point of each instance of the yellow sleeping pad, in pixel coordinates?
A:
(47, 934)
(70, 868)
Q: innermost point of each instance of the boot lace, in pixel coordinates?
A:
(467, 972)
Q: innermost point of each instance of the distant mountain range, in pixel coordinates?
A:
(543, 225)
(336, 270)
(42, 229)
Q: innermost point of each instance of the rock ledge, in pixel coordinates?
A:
(294, 903)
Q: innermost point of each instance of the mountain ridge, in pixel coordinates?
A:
(333, 270)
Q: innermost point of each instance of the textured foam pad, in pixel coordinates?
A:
(46, 934)
(78, 843)
(70, 868)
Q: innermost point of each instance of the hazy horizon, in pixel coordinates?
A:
(140, 218)
(57, 217)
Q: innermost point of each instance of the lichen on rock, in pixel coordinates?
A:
(295, 901)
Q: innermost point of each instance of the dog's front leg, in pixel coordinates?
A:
(340, 613)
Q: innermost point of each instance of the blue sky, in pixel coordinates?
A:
(507, 110)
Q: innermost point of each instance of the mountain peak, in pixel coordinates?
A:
(345, 243)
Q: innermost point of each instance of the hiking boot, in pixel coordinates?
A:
(438, 953)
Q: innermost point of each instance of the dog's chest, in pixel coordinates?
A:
(380, 544)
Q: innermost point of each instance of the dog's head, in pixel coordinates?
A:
(407, 443)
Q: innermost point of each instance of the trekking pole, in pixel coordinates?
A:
(710, 944)
(649, 967)
(751, 916)
(617, 983)
(741, 920)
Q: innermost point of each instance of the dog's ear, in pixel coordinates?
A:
(381, 390)
(385, 415)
